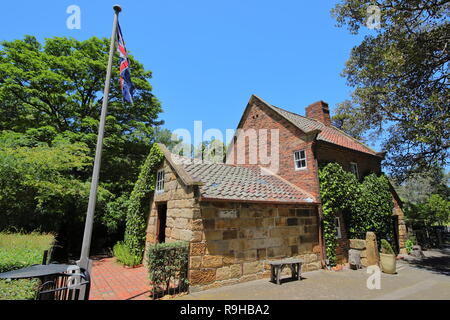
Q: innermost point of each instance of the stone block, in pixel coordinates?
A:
(373, 257)
(197, 225)
(195, 262)
(235, 271)
(198, 249)
(212, 261)
(202, 276)
(252, 267)
(219, 247)
(359, 244)
(209, 224)
(208, 213)
(230, 234)
(223, 273)
(197, 236)
(213, 235)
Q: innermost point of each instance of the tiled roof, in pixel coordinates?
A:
(329, 134)
(228, 182)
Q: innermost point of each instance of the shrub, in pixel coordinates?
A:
(386, 247)
(168, 265)
(124, 255)
(409, 245)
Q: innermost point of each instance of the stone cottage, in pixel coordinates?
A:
(239, 214)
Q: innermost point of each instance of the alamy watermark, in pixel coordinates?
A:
(373, 17)
(247, 147)
(374, 280)
(73, 22)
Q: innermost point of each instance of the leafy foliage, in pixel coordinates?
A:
(426, 198)
(168, 264)
(139, 203)
(400, 73)
(386, 247)
(22, 289)
(124, 256)
(337, 190)
(50, 103)
(366, 206)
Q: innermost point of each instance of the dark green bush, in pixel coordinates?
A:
(124, 255)
(386, 247)
(366, 206)
(168, 265)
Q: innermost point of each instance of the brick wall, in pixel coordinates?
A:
(366, 163)
(291, 139)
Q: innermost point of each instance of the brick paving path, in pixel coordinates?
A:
(112, 281)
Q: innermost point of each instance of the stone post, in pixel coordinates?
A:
(373, 257)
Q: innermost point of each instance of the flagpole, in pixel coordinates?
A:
(84, 261)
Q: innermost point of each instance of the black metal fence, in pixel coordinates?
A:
(65, 286)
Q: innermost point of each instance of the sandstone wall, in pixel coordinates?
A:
(182, 208)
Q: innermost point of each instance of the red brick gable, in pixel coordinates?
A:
(328, 133)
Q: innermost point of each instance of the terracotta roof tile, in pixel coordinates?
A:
(329, 134)
(228, 182)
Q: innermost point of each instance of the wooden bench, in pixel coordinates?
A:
(277, 266)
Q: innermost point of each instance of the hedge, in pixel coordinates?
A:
(168, 266)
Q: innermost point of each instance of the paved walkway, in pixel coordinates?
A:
(428, 278)
(112, 281)
(415, 279)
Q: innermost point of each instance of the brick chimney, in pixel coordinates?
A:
(319, 111)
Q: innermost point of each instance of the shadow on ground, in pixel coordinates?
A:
(437, 261)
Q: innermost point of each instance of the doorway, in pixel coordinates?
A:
(161, 223)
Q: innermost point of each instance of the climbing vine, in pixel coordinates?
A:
(366, 206)
(139, 202)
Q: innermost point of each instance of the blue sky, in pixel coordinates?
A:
(208, 57)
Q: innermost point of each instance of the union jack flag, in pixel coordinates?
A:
(125, 75)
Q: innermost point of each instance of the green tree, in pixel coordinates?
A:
(400, 73)
(50, 99)
(38, 184)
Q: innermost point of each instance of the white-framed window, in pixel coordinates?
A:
(337, 222)
(160, 181)
(300, 159)
(354, 169)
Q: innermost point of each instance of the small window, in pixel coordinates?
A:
(338, 227)
(354, 169)
(160, 181)
(300, 159)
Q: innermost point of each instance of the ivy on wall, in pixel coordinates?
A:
(366, 206)
(139, 203)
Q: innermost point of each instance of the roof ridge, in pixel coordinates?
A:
(330, 126)
(296, 114)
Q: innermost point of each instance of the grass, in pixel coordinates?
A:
(18, 251)
(22, 250)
